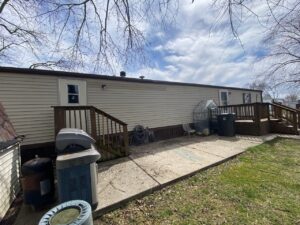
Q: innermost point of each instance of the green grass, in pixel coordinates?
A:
(262, 186)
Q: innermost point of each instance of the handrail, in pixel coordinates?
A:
(285, 107)
(236, 105)
(287, 113)
(85, 107)
(110, 133)
(109, 116)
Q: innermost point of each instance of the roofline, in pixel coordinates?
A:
(107, 77)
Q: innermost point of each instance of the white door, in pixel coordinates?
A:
(72, 92)
(223, 97)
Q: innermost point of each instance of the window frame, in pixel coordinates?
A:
(222, 103)
(75, 93)
(249, 98)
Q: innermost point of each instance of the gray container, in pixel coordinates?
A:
(77, 176)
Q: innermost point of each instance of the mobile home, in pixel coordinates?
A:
(28, 96)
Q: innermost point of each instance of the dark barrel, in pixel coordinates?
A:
(226, 124)
(38, 182)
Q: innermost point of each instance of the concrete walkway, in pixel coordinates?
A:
(153, 166)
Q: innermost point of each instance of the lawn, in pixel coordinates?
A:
(262, 186)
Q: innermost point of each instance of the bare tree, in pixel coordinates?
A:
(282, 23)
(15, 31)
(81, 33)
(268, 90)
(97, 34)
(291, 97)
(284, 39)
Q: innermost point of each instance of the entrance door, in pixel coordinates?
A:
(72, 92)
(223, 96)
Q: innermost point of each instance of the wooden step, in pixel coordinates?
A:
(282, 128)
(275, 119)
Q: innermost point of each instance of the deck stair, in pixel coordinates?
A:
(284, 119)
(110, 133)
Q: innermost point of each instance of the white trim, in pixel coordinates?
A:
(227, 93)
(63, 94)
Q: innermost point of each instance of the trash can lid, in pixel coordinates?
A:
(72, 136)
(36, 165)
(79, 158)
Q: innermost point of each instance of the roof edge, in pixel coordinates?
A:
(110, 77)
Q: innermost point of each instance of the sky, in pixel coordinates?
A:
(197, 47)
(200, 48)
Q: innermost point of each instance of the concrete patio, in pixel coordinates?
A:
(153, 166)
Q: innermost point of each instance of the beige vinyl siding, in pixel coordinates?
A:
(154, 105)
(236, 96)
(9, 176)
(28, 100)
(151, 105)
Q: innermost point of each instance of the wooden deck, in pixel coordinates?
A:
(262, 118)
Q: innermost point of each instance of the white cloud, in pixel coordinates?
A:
(197, 53)
(200, 49)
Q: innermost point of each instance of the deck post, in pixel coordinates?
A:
(125, 136)
(257, 115)
(298, 119)
(295, 125)
(93, 123)
(268, 111)
(59, 119)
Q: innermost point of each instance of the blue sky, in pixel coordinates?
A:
(198, 47)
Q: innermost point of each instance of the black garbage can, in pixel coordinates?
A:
(226, 124)
(38, 182)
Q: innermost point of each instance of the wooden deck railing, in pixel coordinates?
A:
(110, 133)
(259, 111)
(290, 115)
(253, 111)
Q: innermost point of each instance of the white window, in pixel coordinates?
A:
(223, 95)
(246, 98)
(73, 94)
